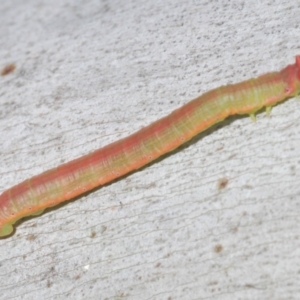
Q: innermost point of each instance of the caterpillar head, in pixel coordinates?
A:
(291, 76)
(297, 65)
(297, 74)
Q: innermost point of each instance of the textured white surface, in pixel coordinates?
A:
(91, 72)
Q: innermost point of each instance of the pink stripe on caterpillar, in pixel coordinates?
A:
(69, 180)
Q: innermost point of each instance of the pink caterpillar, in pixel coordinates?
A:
(34, 195)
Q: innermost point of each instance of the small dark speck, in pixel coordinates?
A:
(49, 284)
(93, 234)
(248, 186)
(31, 237)
(218, 248)
(222, 183)
(213, 283)
(103, 228)
(8, 69)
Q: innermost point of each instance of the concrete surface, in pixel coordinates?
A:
(218, 219)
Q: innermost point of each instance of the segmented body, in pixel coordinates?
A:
(69, 180)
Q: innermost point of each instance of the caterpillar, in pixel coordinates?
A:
(34, 195)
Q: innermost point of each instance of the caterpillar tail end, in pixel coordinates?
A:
(6, 229)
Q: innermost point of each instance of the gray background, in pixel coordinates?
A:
(91, 72)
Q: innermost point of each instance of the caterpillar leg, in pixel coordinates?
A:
(252, 117)
(268, 110)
